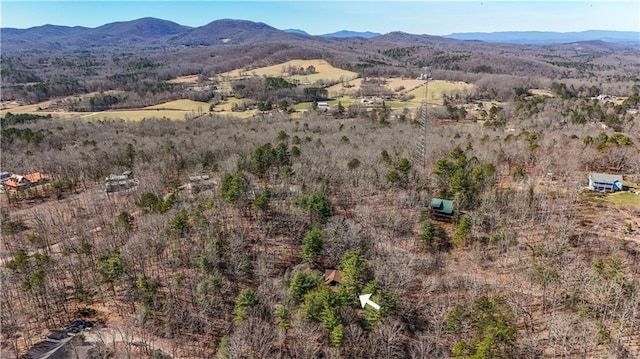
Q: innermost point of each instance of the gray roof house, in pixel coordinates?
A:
(605, 182)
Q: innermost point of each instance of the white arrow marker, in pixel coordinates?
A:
(364, 300)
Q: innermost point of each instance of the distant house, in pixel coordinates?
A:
(605, 182)
(4, 176)
(323, 105)
(200, 182)
(198, 178)
(18, 182)
(332, 277)
(441, 209)
(115, 182)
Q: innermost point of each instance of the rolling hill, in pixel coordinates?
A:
(234, 32)
(149, 33)
(347, 33)
(143, 32)
(548, 37)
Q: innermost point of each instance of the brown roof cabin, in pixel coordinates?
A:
(18, 183)
(332, 277)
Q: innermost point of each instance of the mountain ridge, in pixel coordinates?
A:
(150, 33)
(348, 33)
(548, 37)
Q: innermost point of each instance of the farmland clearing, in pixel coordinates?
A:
(184, 79)
(346, 91)
(438, 88)
(323, 71)
(174, 110)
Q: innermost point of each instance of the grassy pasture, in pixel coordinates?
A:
(340, 90)
(392, 84)
(179, 109)
(324, 71)
(437, 88)
(181, 105)
(175, 110)
(15, 108)
(620, 199)
(226, 107)
(191, 79)
(411, 86)
(137, 115)
(408, 84)
(541, 92)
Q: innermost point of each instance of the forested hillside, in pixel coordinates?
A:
(529, 266)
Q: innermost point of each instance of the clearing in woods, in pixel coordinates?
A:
(16, 108)
(184, 79)
(621, 199)
(174, 110)
(439, 87)
(323, 71)
(181, 105)
(349, 86)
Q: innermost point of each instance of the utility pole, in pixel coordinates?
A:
(421, 146)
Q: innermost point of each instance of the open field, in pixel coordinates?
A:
(395, 84)
(624, 199)
(415, 87)
(180, 109)
(406, 84)
(180, 105)
(175, 110)
(340, 89)
(541, 92)
(16, 108)
(324, 71)
(437, 88)
(184, 79)
(137, 115)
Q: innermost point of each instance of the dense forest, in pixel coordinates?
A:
(219, 245)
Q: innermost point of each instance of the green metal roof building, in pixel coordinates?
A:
(442, 209)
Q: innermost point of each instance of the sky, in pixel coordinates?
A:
(322, 17)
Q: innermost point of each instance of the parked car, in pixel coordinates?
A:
(79, 325)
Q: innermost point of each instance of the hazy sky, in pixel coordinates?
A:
(321, 17)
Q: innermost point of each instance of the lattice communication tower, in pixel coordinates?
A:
(421, 145)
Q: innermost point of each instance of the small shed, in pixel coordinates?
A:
(332, 277)
(441, 209)
(605, 182)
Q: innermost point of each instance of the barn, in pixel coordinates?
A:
(605, 182)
